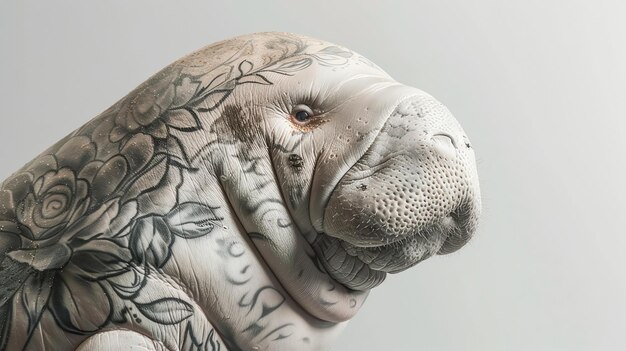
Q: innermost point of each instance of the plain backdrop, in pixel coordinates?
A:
(539, 86)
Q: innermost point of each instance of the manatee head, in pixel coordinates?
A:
(377, 175)
(412, 193)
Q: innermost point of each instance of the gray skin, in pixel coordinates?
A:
(248, 196)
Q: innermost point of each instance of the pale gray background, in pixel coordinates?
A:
(538, 85)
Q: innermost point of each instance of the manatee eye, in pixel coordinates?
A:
(302, 113)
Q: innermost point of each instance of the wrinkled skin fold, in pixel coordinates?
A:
(248, 196)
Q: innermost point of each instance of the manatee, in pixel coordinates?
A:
(246, 197)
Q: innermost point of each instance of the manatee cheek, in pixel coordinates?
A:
(351, 214)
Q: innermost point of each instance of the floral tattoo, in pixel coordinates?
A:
(85, 225)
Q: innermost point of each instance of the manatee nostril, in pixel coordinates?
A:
(444, 143)
(443, 138)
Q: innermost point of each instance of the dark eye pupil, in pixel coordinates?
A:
(302, 116)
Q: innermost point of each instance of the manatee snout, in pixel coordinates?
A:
(413, 194)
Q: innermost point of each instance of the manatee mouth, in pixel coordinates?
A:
(361, 267)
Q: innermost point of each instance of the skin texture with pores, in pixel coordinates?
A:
(246, 197)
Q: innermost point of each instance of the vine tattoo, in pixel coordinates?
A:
(87, 226)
